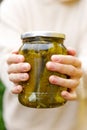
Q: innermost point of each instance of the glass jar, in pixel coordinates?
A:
(37, 48)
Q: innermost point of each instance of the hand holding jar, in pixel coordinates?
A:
(40, 86)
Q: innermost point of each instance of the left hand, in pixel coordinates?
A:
(69, 65)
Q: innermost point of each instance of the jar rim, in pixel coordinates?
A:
(43, 34)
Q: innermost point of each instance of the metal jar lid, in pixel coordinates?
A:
(43, 34)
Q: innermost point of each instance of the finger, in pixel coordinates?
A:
(69, 60)
(68, 83)
(69, 96)
(71, 51)
(20, 67)
(14, 58)
(18, 77)
(17, 89)
(15, 51)
(64, 69)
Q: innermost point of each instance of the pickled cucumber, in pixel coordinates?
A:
(38, 92)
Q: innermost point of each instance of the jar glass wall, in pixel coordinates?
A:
(37, 49)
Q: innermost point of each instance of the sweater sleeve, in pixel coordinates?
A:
(83, 58)
(10, 31)
(82, 52)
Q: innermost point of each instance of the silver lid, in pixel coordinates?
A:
(43, 34)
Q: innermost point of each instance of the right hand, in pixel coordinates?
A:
(17, 70)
